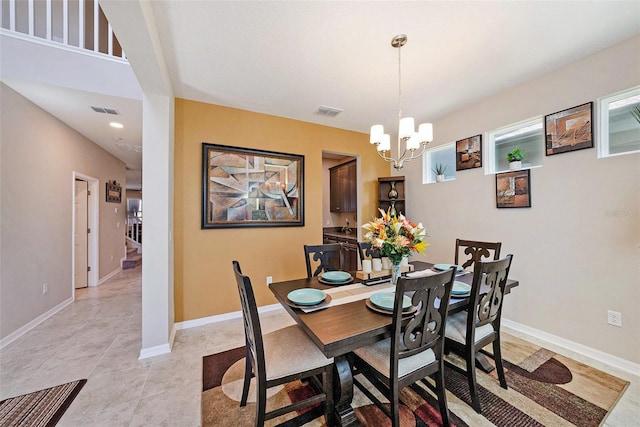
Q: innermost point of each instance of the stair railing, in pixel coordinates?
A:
(134, 228)
(70, 23)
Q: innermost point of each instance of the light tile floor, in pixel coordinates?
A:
(98, 337)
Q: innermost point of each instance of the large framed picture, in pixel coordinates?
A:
(469, 153)
(569, 130)
(513, 189)
(251, 188)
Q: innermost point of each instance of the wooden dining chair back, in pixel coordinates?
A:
(280, 357)
(475, 251)
(321, 258)
(366, 252)
(416, 345)
(471, 330)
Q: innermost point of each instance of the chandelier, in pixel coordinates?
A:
(406, 130)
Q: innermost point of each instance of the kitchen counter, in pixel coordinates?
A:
(338, 233)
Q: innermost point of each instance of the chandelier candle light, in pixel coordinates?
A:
(406, 130)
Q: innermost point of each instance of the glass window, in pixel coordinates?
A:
(528, 136)
(619, 123)
(443, 156)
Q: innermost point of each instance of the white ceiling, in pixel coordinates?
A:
(287, 58)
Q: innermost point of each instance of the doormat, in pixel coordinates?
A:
(42, 408)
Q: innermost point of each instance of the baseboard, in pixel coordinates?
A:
(109, 276)
(35, 322)
(556, 343)
(154, 351)
(221, 317)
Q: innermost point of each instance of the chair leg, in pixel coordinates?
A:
(497, 357)
(394, 402)
(441, 393)
(471, 377)
(248, 373)
(261, 403)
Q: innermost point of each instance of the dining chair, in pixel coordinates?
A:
(476, 250)
(280, 357)
(325, 257)
(469, 334)
(415, 347)
(365, 251)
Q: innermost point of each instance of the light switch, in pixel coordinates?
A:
(116, 210)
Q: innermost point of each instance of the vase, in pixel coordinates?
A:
(395, 271)
(514, 166)
(393, 193)
(439, 178)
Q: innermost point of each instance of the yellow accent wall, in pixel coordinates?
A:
(204, 282)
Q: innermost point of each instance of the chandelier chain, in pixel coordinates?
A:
(399, 82)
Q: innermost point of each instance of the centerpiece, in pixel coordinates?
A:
(395, 237)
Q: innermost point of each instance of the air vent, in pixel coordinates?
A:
(323, 110)
(128, 147)
(105, 110)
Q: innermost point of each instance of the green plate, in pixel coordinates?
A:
(336, 276)
(460, 288)
(443, 267)
(306, 296)
(387, 299)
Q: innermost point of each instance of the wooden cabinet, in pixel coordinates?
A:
(342, 188)
(391, 193)
(349, 250)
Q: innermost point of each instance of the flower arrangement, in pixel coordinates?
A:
(395, 236)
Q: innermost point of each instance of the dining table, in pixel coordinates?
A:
(345, 322)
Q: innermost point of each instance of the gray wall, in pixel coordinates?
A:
(38, 157)
(576, 250)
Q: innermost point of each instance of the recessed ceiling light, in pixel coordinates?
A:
(116, 125)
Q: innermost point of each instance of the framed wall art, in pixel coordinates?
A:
(469, 153)
(113, 192)
(569, 130)
(513, 189)
(251, 188)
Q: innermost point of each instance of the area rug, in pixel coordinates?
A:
(545, 389)
(40, 408)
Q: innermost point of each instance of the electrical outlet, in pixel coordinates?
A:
(269, 280)
(614, 318)
(45, 288)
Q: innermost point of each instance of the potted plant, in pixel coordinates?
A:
(439, 171)
(515, 159)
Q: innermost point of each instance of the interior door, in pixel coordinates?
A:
(80, 235)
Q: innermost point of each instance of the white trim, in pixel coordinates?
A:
(35, 322)
(221, 317)
(108, 276)
(558, 344)
(154, 351)
(68, 47)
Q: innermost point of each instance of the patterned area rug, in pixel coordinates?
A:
(545, 389)
(41, 408)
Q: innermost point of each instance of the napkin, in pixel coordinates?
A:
(421, 273)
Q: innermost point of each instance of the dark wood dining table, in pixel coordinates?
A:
(341, 328)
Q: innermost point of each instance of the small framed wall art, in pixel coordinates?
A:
(513, 189)
(469, 153)
(114, 192)
(569, 130)
(244, 187)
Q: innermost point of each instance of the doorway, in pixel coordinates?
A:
(84, 247)
(80, 235)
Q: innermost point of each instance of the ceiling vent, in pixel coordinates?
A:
(105, 110)
(128, 147)
(323, 110)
